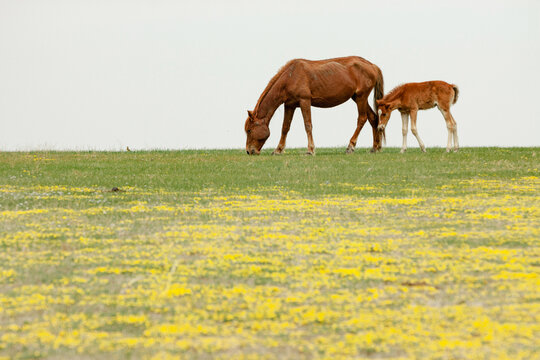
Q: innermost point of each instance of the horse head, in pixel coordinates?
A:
(383, 110)
(257, 132)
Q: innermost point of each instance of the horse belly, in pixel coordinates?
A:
(327, 102)
(427, 105)
(330, 96)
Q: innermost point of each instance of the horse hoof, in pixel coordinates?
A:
(456, 150)
(310, 153)
(403, 151)
(349, 150)
(423, 150)
(277, 152)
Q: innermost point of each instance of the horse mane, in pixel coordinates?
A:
(271, 83)
(394, 92)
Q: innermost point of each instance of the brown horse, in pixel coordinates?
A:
(324, 83)
(409, 98)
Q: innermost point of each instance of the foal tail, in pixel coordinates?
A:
(378, 93)
(456, 93)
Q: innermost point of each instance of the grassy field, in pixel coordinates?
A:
(215, 254)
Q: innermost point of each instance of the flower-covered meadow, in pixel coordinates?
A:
(220, 255)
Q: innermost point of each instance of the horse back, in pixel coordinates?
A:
(329, 82)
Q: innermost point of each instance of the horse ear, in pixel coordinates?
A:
(250, 114)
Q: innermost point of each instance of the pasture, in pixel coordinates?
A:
(216, 254)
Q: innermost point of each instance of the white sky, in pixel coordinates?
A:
(103, 74)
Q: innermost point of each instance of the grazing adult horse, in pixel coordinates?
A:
(411, 97)
(324, 83)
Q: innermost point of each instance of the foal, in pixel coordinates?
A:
(411, 97)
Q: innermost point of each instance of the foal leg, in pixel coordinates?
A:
(289, 112)
(414, 131)
(456, 143)
(450, 125)
(305, 106)
(362, 118)
(404, 129)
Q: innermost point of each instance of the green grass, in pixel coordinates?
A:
(205, 254)
(233, 170)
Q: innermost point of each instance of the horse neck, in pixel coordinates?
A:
(269, 101)
(395, 95)
(394, 98)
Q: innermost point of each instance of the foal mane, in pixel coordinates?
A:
(271, 83)
(394, 91)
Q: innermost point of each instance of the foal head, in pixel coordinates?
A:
(257, 132)
(384, 111)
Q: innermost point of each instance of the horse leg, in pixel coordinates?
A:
(404, 129)
(377, 135)
(414, 131)
(449, 125)
(362, 118)
(305, 106)
(454, 124)
(289, 112)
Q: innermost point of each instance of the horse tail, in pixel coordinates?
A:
(456, 93)
(378, 93)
